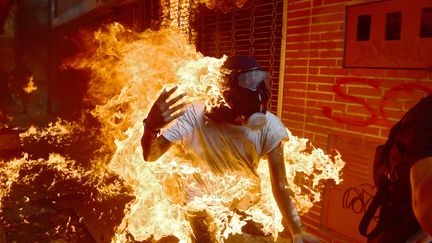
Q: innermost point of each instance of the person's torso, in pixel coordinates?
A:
(224, 147)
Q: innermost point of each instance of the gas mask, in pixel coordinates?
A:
(246, 93)
(249, 102)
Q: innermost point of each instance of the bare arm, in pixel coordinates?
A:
(281, 193)
(153, 145)
(161, 113)
(421, 187)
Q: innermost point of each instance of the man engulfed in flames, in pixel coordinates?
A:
(229, 136)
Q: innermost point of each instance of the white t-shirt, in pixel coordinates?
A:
(224, 147)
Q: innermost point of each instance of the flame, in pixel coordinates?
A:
(30, 86)
(128, 71)
(224, 5)
(10, 171)
(57, 132)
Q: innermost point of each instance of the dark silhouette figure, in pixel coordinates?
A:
(18, 79)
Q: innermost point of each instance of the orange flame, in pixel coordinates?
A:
(30, 86)
(129, 70)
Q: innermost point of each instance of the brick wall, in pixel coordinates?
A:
(321, 97)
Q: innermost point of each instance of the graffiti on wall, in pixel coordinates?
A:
(376, 115)
(357, 199)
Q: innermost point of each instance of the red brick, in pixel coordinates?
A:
(412, 74)
(296, 62)
(333, 18)
(408, 104)
(334, 106)
(377, 140)
(296, 131)
(298, 38)
(365, 91)
(297, 30)
(322, 79)
(344, 100)
(326, 10)
(321, 138)
(314, 212)
(317, 2)
(345, 116)
(332, 36)
(381, 122)
(325, 88)
(298, 22)
(316, 20)
(311, 103)
(289, 78)
(320, 96)
(298, 5)
(295, 116)
(324, 45)
(322, 146)
(299, 54)
(324, 27)
(326, 122)
(395, 114)
(322, 62)
(293, 101)
(312, 87)
(296, 94)
(426, 82)
(387, 83)
(315, 37)
(357, 109)
(312, 70)
(296, 70)
(342, 239)
(293, 108)
(408, 92)
(364, 129)
(295, 86)
(393, 104)
(297, 46)
(316, 129)
(309, 135)
(374, 101)
(368, 72)
(384, 132)
(337, 1)
(310, 119)
(325, 54)
(292, 14)
(293, 124)
(334, 71)
(313, 111)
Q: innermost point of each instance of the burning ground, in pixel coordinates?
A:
(87, 180)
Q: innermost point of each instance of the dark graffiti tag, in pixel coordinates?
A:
(358, 198)
(376, 115)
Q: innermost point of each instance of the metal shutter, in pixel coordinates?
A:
(255, 29)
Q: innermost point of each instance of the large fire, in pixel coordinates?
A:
(128, 71)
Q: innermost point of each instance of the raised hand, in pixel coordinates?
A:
(164, 111)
